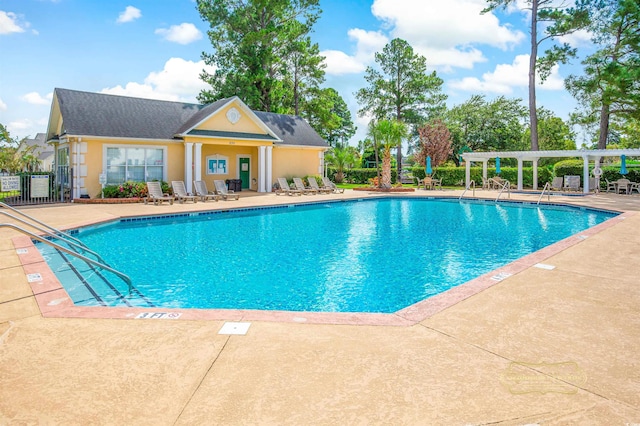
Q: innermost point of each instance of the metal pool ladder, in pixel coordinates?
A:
(68, 239)
(507, 186)
(471, 184)
(547, 187)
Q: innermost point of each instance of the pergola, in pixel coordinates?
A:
(587, 155)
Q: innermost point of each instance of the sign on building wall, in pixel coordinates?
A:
(9, 183)
(39, 186)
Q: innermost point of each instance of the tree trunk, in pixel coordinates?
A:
(533, 113)
(604, 126)
(386, 169)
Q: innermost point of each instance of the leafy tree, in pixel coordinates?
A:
(262, 52)
(388, 133)
(341, 158)
(328, 113)
(435, 142)
(610, 86)
(402, 90)
(558, 20)
(487, 126)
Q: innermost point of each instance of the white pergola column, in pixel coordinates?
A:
(585, 174)
(188, 164)
(484, 168)
(467, 173)
(534, 166)
(197, 159)
(269, 169)
(519, 174)
(261, 168)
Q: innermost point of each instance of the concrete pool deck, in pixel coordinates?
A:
(541, 346)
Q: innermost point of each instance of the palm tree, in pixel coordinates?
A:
(390, 134)
(340, 157)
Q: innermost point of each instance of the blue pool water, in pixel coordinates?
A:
(376, 255)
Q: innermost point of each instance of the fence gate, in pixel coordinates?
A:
(30, 188)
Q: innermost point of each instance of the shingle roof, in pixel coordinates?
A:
(99, 114)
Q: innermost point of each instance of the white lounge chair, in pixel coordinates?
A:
(328, 184)
(180, 192)
(201, 190)
(556, 183)
(313, 184)
(155, 194)
(221, 190)
(300, 187)
(285, 189)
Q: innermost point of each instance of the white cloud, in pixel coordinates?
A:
(445, 31)
(367, 44)
(507, 76)
(129, 14)
(34, 98)
(9, 23)
(184, 33)
(20, 125)
(3, 106)
(179, 80)
(577, 39)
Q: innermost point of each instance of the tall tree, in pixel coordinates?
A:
(558, 20)
(610, 85)
(401, 89)
(253, 41)
(329, 115)
(482, 125)
(388, 133)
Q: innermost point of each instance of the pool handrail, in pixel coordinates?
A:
(472, 183)
(506, 185)
(82, 247)
(547, 186)
(51, 228)
(57, 246)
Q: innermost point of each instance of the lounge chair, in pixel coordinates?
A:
(154, 189)
(201, 190)
(556, 183)
(180, 192)
(285, 189)
(571, 183)
(328, 184)
(222, 191)
(313, 183)
(300, 187)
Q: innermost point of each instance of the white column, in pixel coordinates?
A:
(269, 169)
(534, 166)
(585, 175)
(188, 165)
(467, 173)
(519, 174)
(261, 168)
(197, 159)
(484, 168)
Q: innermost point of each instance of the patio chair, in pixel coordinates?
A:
(285, 188)
(556, 183)
(486, 183)
(180, 192)
(154, 189)
(313, 183)
(222, 191)
(299, 184)
(201, 190)
(611, 186)
(634, 186)
(328, 184)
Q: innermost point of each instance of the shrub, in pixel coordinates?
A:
(130, 189)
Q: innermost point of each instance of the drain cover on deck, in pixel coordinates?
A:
(239, 328)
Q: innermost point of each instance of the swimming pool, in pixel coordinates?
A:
(374, 255)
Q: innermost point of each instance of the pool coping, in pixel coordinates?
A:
(54, 302)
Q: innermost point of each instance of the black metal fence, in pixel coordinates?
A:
(30, 188)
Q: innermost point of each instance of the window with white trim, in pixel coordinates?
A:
(217, 164)
(134, 164)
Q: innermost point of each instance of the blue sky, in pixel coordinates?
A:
(151, 48)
